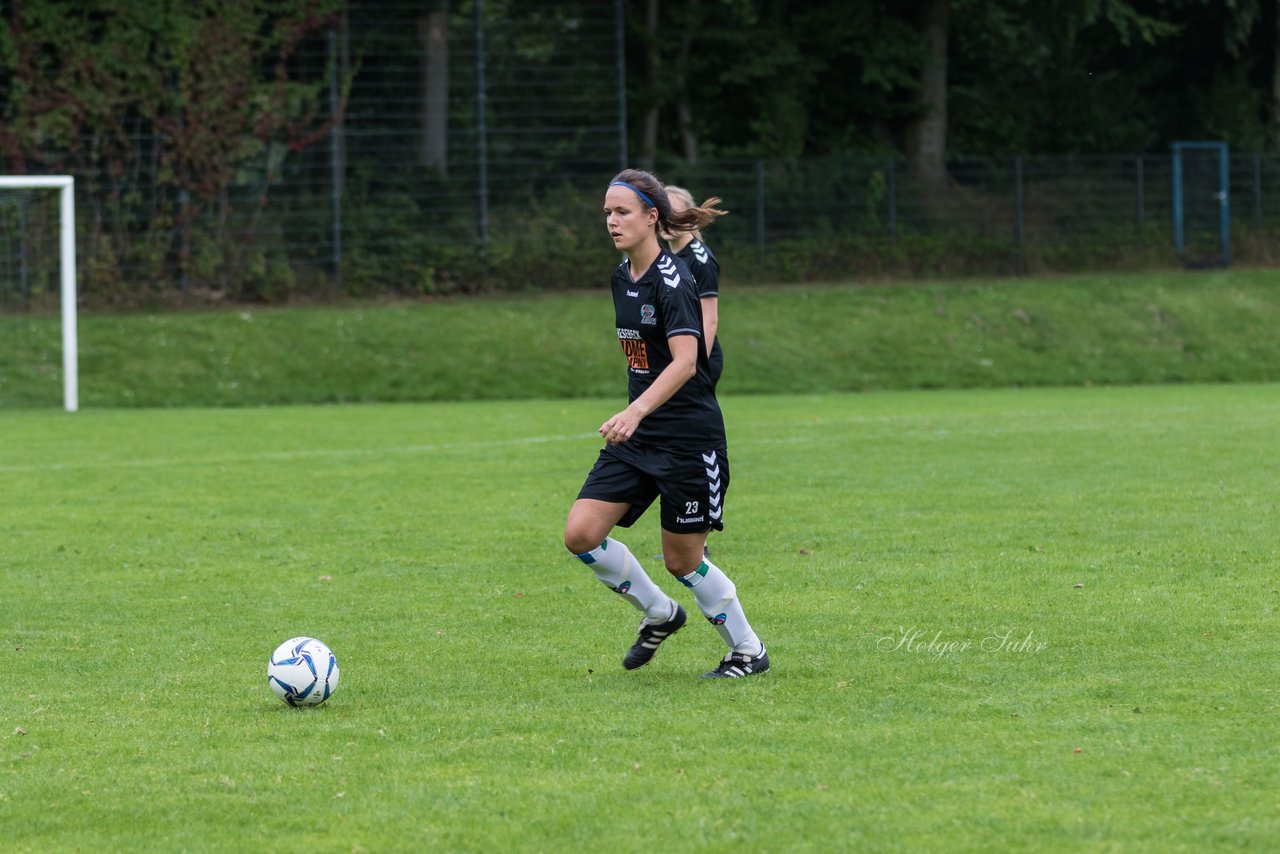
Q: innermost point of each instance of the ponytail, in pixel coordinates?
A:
(653, 194)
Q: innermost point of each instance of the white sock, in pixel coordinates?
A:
(718, 600)
(619, 570)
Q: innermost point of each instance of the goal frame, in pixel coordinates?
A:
(65, 184)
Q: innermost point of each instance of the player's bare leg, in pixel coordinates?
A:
(717, 598)
(586, 534)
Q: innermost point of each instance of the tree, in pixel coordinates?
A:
(926, 132)
(1106, 75)
(433, 36)
(768, 77)
(162, 108)
(1275, 76)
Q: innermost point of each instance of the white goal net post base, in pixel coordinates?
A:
(65, 184)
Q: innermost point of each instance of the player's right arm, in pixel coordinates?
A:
(684, 364)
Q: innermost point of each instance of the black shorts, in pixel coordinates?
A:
(692, 485)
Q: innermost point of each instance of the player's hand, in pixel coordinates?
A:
(620, 427)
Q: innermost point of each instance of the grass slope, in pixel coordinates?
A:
(1018, 620)
(1100, 329)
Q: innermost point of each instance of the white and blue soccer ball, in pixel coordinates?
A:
(303, 672)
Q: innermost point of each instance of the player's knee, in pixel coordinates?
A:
(579, 542)
(680, 568)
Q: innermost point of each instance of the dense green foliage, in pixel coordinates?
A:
(759, 77)
(175, 119)
(1029, 620)
(1152, 328)
(261, 149)
(776, 78)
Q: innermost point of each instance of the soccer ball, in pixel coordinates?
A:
(303, 672)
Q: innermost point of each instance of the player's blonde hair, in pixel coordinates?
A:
(682, 194)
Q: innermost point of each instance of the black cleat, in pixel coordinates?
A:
(651, 637)
(736, 665)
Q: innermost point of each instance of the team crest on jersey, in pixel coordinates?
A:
(647, 315)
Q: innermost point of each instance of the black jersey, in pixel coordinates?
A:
(704, 267)
(661, 305)
(706, 279)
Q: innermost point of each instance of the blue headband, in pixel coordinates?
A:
(634, 190)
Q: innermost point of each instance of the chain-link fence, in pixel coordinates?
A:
(457, 149)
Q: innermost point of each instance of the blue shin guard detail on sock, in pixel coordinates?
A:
(690, 580)
(718, 600)
(589, 557)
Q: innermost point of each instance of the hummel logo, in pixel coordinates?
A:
(700, 252)
(713, 484)
(633, 293)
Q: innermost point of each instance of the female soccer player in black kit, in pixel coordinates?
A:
(689, 247)
(705, 269)
(669, 442)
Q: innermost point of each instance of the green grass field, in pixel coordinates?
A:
(1000, 620)
(1097, 329)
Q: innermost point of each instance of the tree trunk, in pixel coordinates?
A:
(688, 136)
(926, 136)
(649, 132)
(684, 113)
(1275, 83)
(433, 35)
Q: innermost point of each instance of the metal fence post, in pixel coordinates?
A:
(482, 151)
(892, 191)
(1142, 197)
(1257, 193)
(337, 152)
(1224, 203)
(24, 280)
(184, 240)
(760, 209)
(620, 50)
(1017, 216)
(1176, 176)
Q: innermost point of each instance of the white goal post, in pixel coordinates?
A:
(67, 257)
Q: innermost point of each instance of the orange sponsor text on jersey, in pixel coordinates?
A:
(637, 356)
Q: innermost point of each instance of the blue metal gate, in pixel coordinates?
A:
(1201, 207)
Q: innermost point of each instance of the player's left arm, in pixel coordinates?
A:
(710, 321)
(684, 364)
(708, 281)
